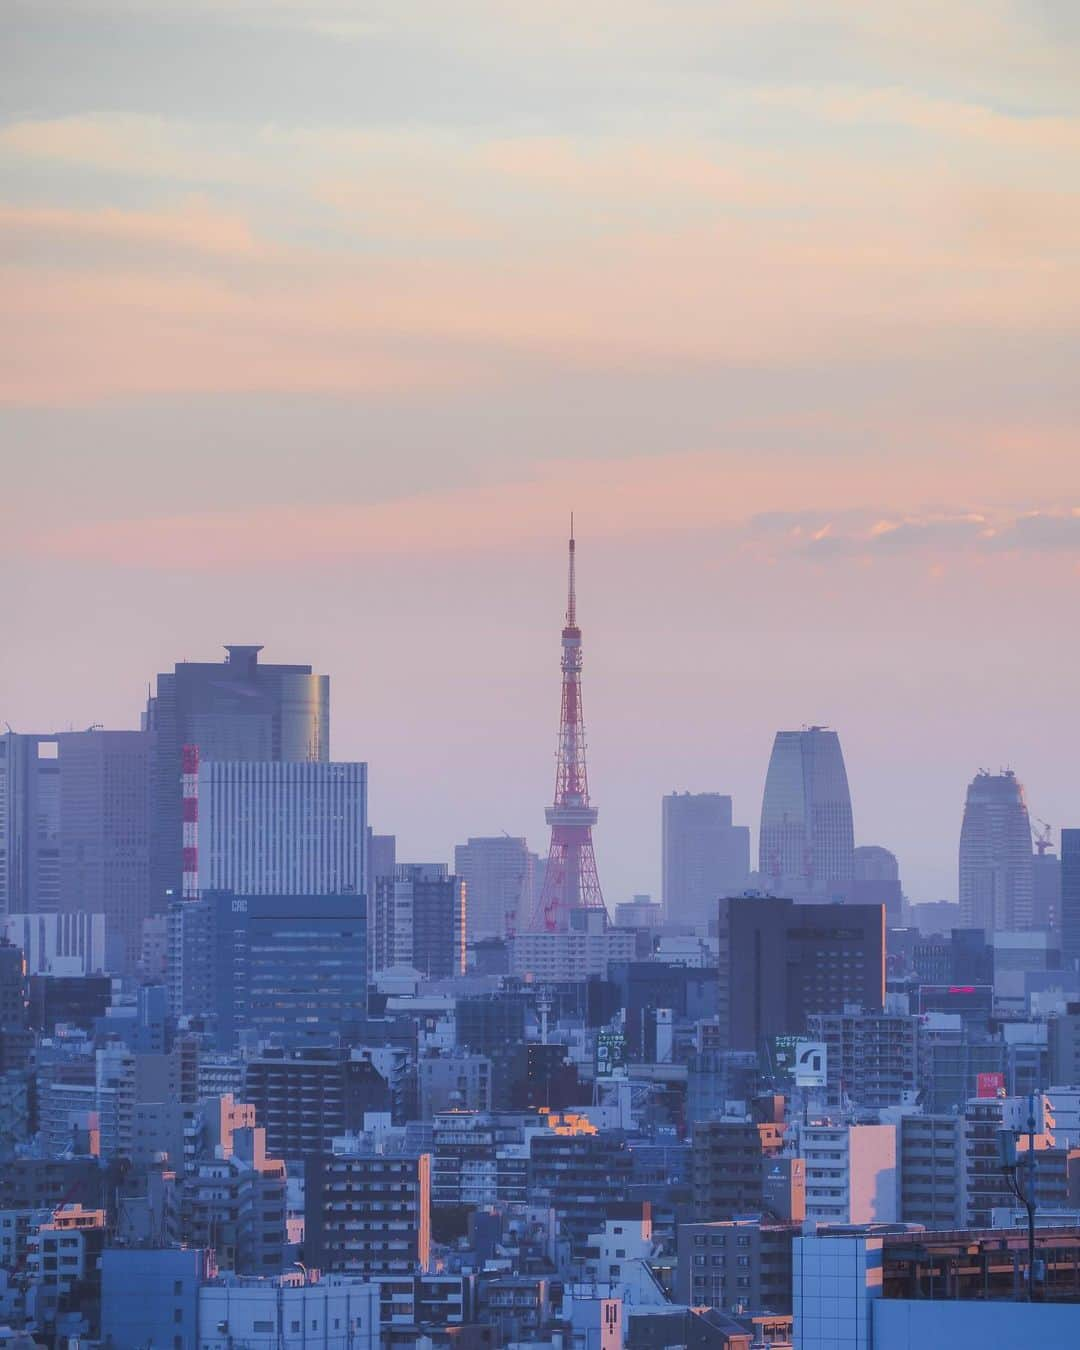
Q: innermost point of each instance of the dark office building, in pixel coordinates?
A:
(74, 1000)
(48, 1183)
(780, 961)
(233, 710)
(1070, 899)
(490, 1022)
(291, 966)
(305, 1098)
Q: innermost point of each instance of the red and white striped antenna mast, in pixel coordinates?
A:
(570, 879)
(189, 762)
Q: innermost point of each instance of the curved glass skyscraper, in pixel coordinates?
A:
(996, 869)
(807, 840)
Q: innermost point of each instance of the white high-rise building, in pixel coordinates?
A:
(498, 876)
(996, 863)
(807, 840)
(278, 828)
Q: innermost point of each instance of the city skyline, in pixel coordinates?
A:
(434, 849)
(312, 331)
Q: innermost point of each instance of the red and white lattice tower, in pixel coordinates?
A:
(570, 881)
(189, 768)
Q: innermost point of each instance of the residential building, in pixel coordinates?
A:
(851, 1173)
(931, 1157)
(368, 1213)
(704, 856)
(306, 1097)
(236, 1205)
(996, 876)
(735, 1261)
(418, 921)
(872, 1059)
(730, 1160)
(587, 947)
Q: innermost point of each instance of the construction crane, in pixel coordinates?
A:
(1043, 842)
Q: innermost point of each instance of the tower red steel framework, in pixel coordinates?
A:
(570, 880)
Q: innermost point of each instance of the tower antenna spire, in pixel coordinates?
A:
(571, 587)
(570, 879)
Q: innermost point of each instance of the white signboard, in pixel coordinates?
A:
(810, 1064)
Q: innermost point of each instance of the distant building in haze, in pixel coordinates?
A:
(498, 877)
(268, 828)
(705, 856)
(232, 710)
(996, 871)
(876, 881)
(807, 839)
(105, 832)
(1046, 890)
(29, 824)
(1070, 899)
(74, 829)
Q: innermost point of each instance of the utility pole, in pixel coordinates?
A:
(1011, 1166)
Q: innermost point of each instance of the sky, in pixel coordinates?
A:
(320, 317)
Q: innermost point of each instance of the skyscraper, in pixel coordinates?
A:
(105, 832)
(807, 839)
(234, 710)
(996, 872)
(29, 824)
(270, 828)
(498, 876)
(1070, 899)
(705, 856)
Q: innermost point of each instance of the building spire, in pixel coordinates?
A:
(570, 879)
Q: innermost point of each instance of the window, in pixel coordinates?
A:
(178, 1286)
(262, 1326)
(295, 1326)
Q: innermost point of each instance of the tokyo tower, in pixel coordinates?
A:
(570, 881)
